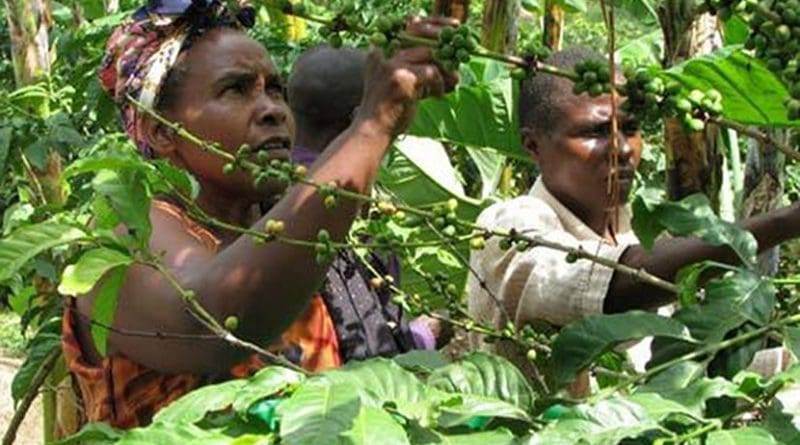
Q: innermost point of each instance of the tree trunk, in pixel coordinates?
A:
(694, 160)
(28, 22)
(553, 25)
(290, 27)
(763, 189)
(457, 9)
(499, 31)
(112, 6)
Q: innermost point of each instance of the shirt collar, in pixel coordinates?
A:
(575, 225)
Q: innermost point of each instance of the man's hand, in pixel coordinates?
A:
(393, 87)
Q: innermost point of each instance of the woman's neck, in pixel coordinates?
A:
(234, 210)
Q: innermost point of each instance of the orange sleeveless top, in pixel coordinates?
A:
(126, 394)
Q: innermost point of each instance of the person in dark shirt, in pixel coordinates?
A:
(324, 91)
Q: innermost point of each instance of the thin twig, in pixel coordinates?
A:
(638, 274)
(206, 319)
(33, 390)
(757, 135)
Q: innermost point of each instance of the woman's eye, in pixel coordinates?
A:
(276, 91)
(236, 87)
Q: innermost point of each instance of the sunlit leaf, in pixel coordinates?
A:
(579, 343)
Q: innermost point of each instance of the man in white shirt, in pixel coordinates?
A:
(568, 137)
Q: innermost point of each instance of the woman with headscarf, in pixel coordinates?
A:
(192, 63)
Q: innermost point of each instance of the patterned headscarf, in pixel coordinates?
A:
(141, 52)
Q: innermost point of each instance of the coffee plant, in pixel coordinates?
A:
(696, 388)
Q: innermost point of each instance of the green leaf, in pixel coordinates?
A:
(420, 173)
(644, 51)
(5, 143)
(46, 340)
(490, 166)
(380, 381)
(751, 94)
(105, 307)
(116, 160)
(579, 343)
(753, 295)
(781, 424)
(572, 6)
(179, 433)
(641, 10)
(265, 383)
(80, 278)
(728, 362)
(421, 360)
(372, 426)
(129, 196)
(708, 323)
(485, 375)
(29, 241)
(688, 280)
(95, 433)
(453, 414)
(170, 178)
(192, 407)
(424, 436)
(480, 115)
(691, 216)
(735, 30)
(685, 383)
(791, 340)
(742, 436)
(319, 412)
(658, 407)
(605, 423)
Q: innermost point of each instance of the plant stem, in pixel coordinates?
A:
(708, 349)
(757, 135)
(33, 390)
(638, 274)
(206, 319)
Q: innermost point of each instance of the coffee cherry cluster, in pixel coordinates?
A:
(261, 167)
(775, 39)
(455, 47)
(650, 98)
(534, 52)
(347, 20)
(384, 34)
(724, 8)
(594, 78)
(324, 247)
(445, 218)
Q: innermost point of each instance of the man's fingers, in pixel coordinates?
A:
(415, 54)
(428, 27)
(430, 80)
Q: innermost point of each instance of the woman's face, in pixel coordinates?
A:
(231, 94)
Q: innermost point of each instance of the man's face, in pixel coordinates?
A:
(574, 156)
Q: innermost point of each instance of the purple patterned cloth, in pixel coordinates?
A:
(421, 333)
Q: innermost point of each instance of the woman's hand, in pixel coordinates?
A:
(393, 87)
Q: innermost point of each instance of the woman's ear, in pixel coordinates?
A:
(530, 142)
(160, 138)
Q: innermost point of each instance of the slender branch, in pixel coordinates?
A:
(638, 274)
(142, 334)
(33, 390)
(206, 319)
(757, 135)
(708, 349)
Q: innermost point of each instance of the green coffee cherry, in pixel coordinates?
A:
(232, 323)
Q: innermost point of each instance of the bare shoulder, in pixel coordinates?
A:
(180, 245)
